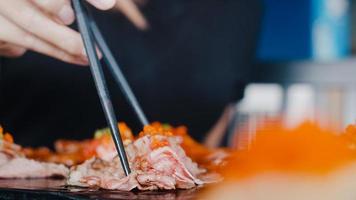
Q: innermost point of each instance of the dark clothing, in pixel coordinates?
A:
(191, 63)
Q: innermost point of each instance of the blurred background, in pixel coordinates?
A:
(305, 69)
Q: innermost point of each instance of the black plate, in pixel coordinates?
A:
(21, 189)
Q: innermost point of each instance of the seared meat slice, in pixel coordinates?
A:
(26, 168)
(157, 162)
(13, 164)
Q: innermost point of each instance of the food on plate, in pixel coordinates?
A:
(73, 152)
(306, 162)
(44, 154)
(14, 164)
(157, 161)
(160, 157)
(211, 159)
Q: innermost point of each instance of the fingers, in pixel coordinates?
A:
(103, 4)
(131, 11)
(11, 50)
(140, 2)
(17, 36)
(63, 10)
(29, 18)
(38, 25)
(58, 8)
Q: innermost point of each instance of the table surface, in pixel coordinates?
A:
(21, 189)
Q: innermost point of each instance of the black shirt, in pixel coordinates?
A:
(192, 61)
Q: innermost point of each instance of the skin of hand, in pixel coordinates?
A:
(42, 26)
(131, 11)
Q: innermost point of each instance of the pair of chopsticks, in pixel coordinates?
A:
(91, 35)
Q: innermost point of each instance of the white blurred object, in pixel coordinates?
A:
(332, 107)
(263, 104)
(325, 48)
(300, 104)
(337, 8)
(260, 102)
(262, 98)
(349, 108)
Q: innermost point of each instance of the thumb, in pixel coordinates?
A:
(11, 50)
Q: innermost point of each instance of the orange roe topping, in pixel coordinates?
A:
(125, 131)
(192, 148)
(158, 143)
(8, 138)
(155, 128)
(305, 149)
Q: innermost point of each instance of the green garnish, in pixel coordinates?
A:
(166, 126)
(101, 132)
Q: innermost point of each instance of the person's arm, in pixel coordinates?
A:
(42, 26)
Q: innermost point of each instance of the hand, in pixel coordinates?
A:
(41, 26)
(130, 10)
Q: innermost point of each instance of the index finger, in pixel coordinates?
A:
(31, 19)
(131, 11)
(63, 10)
(103, 4)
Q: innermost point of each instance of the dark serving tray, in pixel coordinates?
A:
(38, 189)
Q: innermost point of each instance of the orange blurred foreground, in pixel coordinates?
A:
(305, 149)
(282, 163)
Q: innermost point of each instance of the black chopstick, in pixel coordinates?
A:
(100, 82)
(116, 71)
